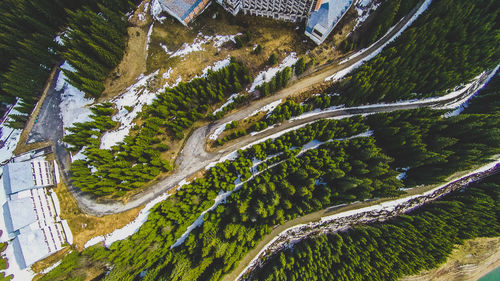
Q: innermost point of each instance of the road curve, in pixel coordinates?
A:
(194, 158)
(333, 219)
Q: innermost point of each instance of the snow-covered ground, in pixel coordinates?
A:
(148, 40)
(228, 102)
(221, 197)
(9, 137)
(267, 108)
(218, 131)
(316, 112)
(156, 10)
(136, 96)
(267, 75)
(216, 66)
(74, 105)
(199, 42)
(364, 9)
(473, 88)
(165, 48)
(19, 274)
(339, 75)
(262, 131)
(130, 228)
(142, 15)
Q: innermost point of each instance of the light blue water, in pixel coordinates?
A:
(492, 276)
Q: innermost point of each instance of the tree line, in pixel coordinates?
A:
(137, 159)
(420, 240)
(289, 185)
(450, 43)
(28, 50)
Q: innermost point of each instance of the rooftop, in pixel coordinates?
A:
(179, 8)
(18, 213)
(18, 177)
(327, 14)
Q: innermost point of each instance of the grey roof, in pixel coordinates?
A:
(18, 177)
(18, 213)
(30, 247)
(180, 8)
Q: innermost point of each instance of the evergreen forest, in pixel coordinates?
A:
(29, 50)
(323, 164)
(405, 245)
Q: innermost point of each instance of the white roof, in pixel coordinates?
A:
(31, 248)
(19, 213)
(18, 177)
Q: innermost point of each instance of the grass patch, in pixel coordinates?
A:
(83, 226)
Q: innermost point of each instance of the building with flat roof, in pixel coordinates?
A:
(27, 175)
(32, 245)
(184, 10)
(31, 211)
(321, 15)
(288, 10)
(325, 17)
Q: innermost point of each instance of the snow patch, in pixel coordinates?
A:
(473, 88)
(217, 66)
(199, 221)
(156, 10)
(316, 112)
(267, 75)
(218, 131)
(74, 105)
(135, 96)
(130, 228)
(148, 40)
(19, 274)
(9, 137)
(165, 48)
(228, 102)
(269, 108)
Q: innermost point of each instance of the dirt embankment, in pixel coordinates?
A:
(469, 261)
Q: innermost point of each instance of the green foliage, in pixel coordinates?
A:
(433, 147)
(94, 45)
(137, 160)
(402, 246)
(27, 48)
(273, 59)
(444, 47)
(300, 66)
(278, 82)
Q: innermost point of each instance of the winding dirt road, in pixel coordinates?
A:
(193, 158)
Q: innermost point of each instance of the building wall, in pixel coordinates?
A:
(289, 10)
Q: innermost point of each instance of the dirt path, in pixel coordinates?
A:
(421, 195)
(193, 158)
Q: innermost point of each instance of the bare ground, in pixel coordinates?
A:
(469, 261)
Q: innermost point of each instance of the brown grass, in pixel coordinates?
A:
(83, 226)
(134, 59)
(469, 261)
(50, 260)
(274, 36)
